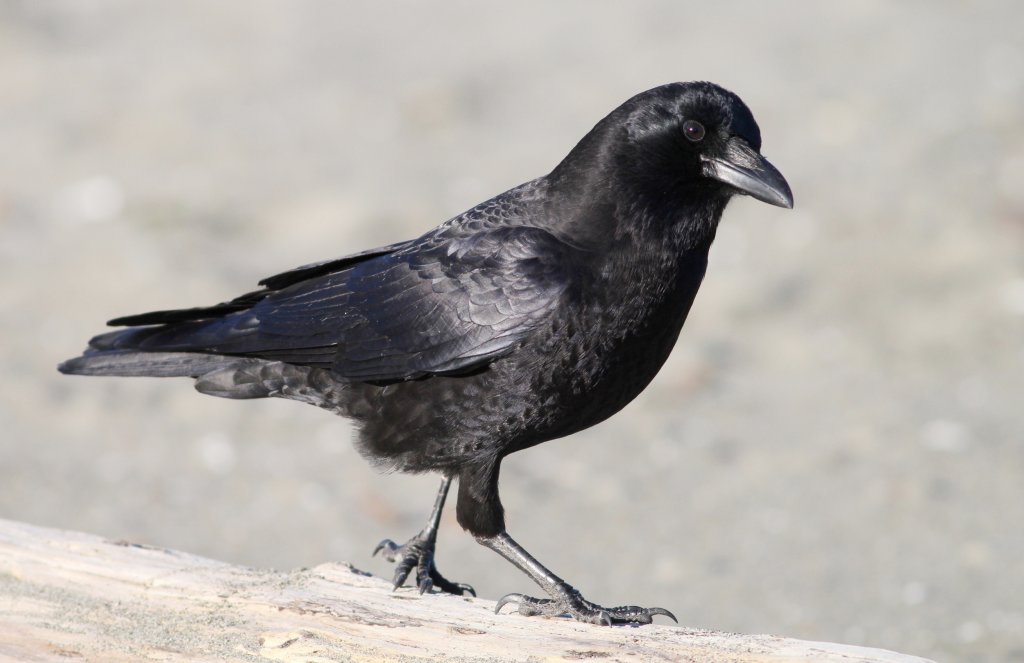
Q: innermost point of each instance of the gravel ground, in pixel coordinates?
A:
(835, 450)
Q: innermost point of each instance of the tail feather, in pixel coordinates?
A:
(132, 363)
(220, 375)
(258, 378)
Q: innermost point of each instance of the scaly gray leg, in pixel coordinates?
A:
(565, 600)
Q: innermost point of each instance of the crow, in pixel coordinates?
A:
(532, 316)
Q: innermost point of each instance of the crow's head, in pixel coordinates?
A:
(678, 144)
(697, 136)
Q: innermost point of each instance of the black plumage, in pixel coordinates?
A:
(531, 316)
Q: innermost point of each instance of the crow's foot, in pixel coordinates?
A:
(418, 552)
(570, 602)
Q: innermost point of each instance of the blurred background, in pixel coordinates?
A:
(835, 450)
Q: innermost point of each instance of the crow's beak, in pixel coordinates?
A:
(744, 168)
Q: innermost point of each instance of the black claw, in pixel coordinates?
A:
(387, 545)
(398, 580)
(662, 611)
(637, 615)
(445, 585)
(425, 585)
(505, 600)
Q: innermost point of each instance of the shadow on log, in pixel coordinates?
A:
(66, 596)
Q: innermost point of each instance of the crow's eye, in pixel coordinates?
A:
(694, 130)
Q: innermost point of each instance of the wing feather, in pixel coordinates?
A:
(454, 300)
(433, 307)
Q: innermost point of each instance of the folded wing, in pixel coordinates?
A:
(440, 305)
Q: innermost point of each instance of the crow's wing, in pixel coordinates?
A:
(243, 302)
(441, 305)
(315, 269)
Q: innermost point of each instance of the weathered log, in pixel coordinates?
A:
(66, 596)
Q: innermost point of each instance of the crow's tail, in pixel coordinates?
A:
(133, 363)
(220, 375)
(123, 353)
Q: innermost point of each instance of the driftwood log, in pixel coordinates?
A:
(68, 596)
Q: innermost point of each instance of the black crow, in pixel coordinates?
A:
(532, 316)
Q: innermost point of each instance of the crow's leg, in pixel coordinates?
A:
(565, 600)
(419, 552)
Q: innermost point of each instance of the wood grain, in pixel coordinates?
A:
(68, 596)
